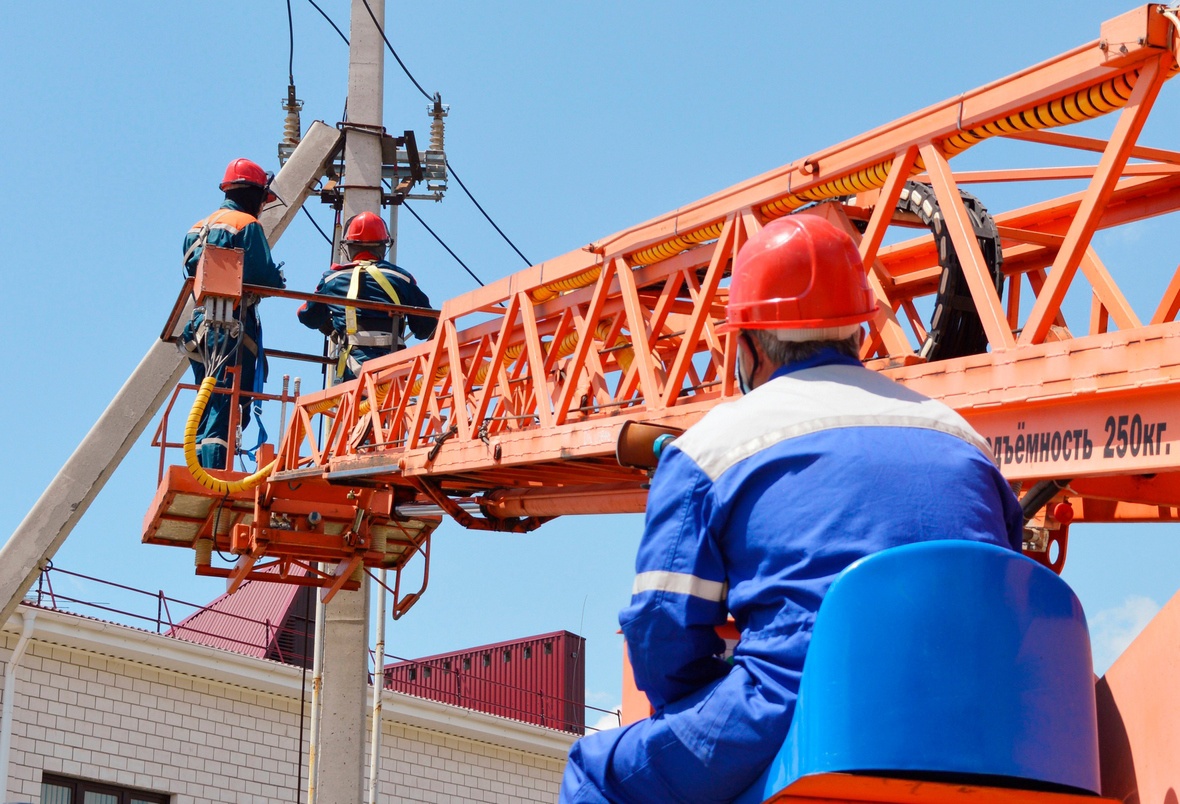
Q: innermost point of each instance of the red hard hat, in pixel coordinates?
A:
(244, 173)
(366, 227)
(798, 272)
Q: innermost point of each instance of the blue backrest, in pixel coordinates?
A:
(948, 657)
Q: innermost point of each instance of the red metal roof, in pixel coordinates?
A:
(539, 679)
(247, 622)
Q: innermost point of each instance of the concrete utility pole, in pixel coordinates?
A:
(340, 777)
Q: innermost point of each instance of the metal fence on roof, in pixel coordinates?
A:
(544, 687)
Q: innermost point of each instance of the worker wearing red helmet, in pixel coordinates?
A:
(358, 335)
(234, 225)
(757, 508)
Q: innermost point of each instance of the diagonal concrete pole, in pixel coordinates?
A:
(95, 459)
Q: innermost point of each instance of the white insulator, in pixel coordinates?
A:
(292, 128)
(437, 132)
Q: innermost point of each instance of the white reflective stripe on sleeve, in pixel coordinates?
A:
(681, 583)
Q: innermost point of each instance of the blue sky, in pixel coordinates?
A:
(568, 121)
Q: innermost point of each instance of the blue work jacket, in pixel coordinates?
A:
(757, 508)
(335, 282)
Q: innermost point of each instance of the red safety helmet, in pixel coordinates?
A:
(244, 173)
(798, 272)
(366, 227)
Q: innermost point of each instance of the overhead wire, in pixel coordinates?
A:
(290, 46)
(329, 19)
(402, 64)
(441, 243)
(291, 79)
(451, 168)
(316, 225)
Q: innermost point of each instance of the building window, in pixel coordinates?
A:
(528, 652)
(507, 656)
(487, 660)
(61, 790)
(466, 664)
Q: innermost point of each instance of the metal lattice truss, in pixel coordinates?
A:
(512, 413)
(533, 395)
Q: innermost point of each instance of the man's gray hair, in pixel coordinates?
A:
(781, 352)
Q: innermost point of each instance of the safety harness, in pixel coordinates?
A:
(342, 345)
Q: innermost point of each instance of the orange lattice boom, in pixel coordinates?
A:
(512, 413)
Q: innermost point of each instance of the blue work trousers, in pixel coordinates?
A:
(707, 747)
(213, 439)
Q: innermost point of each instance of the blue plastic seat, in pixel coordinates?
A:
(945, 659)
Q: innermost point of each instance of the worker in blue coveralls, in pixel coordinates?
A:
(357, 335)
(235, 226)
(756, 509)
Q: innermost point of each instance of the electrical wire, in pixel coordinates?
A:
(216, 522)
(405, 69)
(316, 225)
(329, 19)
(451, 168)
(290, 46)
(431, 98)
(406, 207)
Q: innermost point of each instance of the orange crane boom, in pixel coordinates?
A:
(512, 413)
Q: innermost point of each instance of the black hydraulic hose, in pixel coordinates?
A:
(1040, 494)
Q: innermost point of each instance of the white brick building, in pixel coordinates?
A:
(94, 704)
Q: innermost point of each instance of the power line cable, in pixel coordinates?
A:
(432, 99)
(451, 168)
(405, 69)
(329, 19)
(441, 243)
(316, 225)
(291, 46)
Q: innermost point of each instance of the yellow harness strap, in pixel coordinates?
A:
(354, 288)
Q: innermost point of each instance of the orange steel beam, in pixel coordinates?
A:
(518, 401)
(1077, 238)
(1093, 145)
(1058, 173)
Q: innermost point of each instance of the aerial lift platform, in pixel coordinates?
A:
(534, 387)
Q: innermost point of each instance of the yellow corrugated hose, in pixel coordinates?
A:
(1085, 104)
(190, 449)
(555, 289)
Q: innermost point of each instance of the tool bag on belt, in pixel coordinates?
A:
(342, 344)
